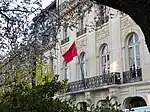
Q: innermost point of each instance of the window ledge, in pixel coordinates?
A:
(81, 36)
(65, 44)
(65, 41)
(102, 26)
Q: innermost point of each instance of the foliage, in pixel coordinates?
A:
(22, 98)
(106, 105)
(15, 23)
(21, 47)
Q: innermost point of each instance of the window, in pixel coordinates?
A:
(83, 63)
(133, 51)
(81, 28)
(65, 71)
(83, 106)
(65, 37)
(105, 65)
(81, 15)
(64, 32)
(102, 15)
(81, 23)
(81, 66)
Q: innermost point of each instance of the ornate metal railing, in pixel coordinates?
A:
(94, 82)
(132, 76)
(81, 32)
(64, 40)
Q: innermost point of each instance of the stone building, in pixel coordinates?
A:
(113, 57)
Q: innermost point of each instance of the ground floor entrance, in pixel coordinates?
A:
(135, 102)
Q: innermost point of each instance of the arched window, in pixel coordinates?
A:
(133, 51)
(83, 63)
(82, 66)
(82, 106)
(135, 102)
(104, 62)
(65, 71)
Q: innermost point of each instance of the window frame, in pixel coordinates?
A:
(133, 52)
(65, 70)
(83, 63)
(104, 54)
(65, 32)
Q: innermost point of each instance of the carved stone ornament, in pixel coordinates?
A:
(64, 49)
(126, 22)
(102, 33)
(81, 45)
(87, 96)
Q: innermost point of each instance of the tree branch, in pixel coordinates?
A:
(4, 15)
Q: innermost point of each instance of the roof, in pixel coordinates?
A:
(52, 6)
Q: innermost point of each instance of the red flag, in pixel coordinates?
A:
(71, 53)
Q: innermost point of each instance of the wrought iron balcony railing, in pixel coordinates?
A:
(94, 82)
(65, 40)
(132, 76)
(81, 32)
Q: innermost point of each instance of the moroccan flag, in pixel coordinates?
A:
(71, 53)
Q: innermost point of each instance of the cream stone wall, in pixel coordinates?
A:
(114, 33)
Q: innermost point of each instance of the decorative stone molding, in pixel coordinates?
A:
(64, 49)
(125, 33)
(101, 42)
(126, 22)
(102, 33)
(81, 45)
(88, 96)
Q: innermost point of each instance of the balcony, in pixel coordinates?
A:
(132, 76)
(94, 82)
(81, 32)
(65, 40)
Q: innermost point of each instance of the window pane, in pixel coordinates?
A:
(103, 60)
(104, 50)
(108, 68)
(81, 23)
(67, 73)
(136, 38)
(130, 62)
(130, 42)
(137, 50)
(103, 69)
(84, 69)
(130, 52)
(78, 72)
(64, 33)
(83, 63)
(65, 69)
(133, 51)
(137, 56)
(131, 56)
(108, 57)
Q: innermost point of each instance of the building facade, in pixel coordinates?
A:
(113, 57)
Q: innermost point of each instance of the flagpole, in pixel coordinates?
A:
(69, 55)
(82, 72)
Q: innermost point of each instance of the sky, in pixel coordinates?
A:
(45, 3)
